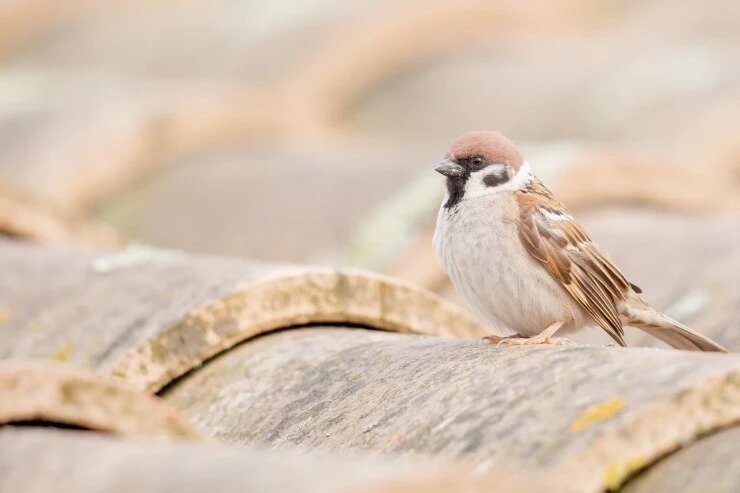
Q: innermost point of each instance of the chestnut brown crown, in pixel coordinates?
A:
(491, 145)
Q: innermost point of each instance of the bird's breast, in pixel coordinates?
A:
(480, 250)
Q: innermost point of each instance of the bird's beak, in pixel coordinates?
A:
(450, 169)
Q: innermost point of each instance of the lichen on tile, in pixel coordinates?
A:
(598, 412)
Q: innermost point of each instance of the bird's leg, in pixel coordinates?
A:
(493, 339)
(544, 337)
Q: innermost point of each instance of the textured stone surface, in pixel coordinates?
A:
(101, 305)
(150, 315)
(38, 461)
(709, 464)
(591, 414)
(59, 395)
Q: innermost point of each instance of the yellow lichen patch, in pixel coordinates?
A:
(65, 352)
(618, 471)
(5, 315)
(598, 412)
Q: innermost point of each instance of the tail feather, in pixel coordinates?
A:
(669, 331)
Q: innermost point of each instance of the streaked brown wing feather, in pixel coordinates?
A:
(568, 254)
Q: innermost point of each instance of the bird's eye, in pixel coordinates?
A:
(477, 161)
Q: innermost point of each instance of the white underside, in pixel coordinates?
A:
(478, 246)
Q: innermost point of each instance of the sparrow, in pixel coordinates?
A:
(522, 261)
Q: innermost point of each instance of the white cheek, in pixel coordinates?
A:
(475, 186)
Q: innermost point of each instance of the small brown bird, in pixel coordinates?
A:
(523, 262)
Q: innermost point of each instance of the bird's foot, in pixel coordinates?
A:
(544, 337)
(493, 339)
(534, 341)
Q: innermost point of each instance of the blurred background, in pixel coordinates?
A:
(307, 130)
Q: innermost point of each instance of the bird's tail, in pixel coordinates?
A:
(669, 331)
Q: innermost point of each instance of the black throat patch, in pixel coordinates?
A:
(456, 190)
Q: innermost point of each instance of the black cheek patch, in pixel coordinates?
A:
(496, 179)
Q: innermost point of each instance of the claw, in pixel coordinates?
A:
(534, 341)
(544, 337)
(492, 339)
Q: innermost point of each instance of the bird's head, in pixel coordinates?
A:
(480, 163)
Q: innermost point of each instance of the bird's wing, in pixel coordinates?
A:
(552, 237)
